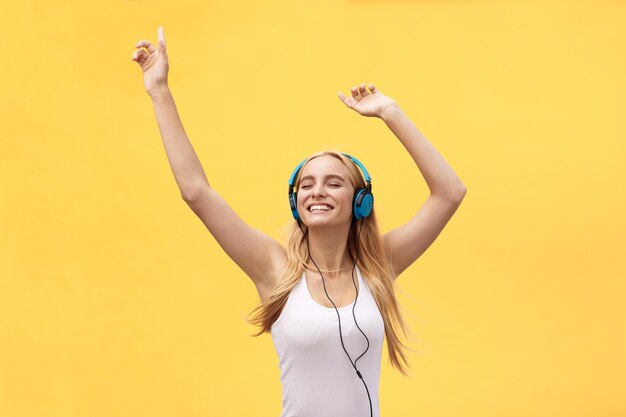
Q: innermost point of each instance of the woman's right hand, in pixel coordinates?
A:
(153, 63)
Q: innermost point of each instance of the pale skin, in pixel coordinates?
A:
(261, 257)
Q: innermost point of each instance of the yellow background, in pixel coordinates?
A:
(116, 301)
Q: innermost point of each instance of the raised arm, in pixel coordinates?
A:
(183, 161)
(406, 243)
(257, 254)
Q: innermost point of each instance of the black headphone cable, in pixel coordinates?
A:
(338, 316)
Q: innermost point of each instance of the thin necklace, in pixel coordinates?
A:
(329, 270)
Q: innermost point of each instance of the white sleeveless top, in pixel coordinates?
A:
(316, 375)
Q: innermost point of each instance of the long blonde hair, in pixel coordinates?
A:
(373, 262)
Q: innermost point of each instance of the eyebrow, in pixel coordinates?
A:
(339, 177)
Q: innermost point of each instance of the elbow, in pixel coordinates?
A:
(459, 195)
(454, 196)
(455, 190)
(190, 194)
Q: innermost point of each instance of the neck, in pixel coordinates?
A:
(328, 250)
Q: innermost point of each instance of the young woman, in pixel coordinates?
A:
(328, 297)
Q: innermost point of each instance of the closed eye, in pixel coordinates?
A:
(304, 187)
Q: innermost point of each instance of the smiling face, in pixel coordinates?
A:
(325, 181)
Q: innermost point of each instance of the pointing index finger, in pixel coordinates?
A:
(161, 36)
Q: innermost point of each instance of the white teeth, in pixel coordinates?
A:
(320, 207)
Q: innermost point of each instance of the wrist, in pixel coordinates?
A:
(158, 92)
(390, 111)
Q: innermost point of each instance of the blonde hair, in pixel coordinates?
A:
(373, 262)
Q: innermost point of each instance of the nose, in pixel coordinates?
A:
(318, 190)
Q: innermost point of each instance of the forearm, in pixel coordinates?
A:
(183, 160)
(440, 177)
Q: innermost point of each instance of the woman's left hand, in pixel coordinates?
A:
(370, 103)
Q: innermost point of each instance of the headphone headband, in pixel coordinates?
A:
(358, 163)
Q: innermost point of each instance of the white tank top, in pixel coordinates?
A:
(316, 375)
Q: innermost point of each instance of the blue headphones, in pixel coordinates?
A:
(363, 198)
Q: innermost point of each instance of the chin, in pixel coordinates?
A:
(311, 220)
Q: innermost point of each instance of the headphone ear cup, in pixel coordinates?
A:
(294, 205)
(363, 202)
